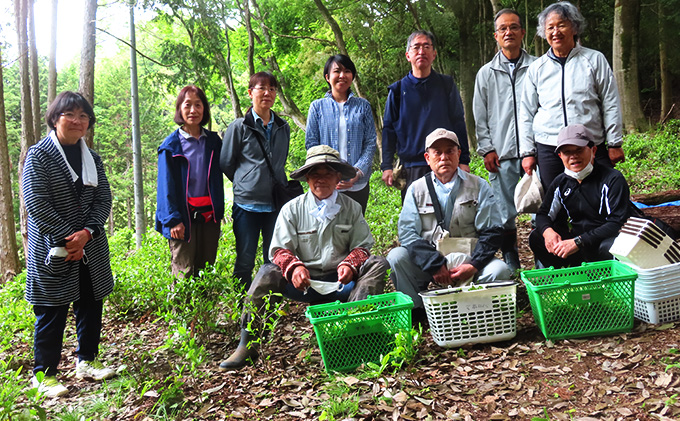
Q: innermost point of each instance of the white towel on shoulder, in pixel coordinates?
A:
(89, 170)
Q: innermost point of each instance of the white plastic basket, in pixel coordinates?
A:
(655, 312)
(634, 250)
(472, 314)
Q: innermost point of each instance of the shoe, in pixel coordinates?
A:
(93, 370)
(419, 317)
(246, 351)
(50, 387)
(511, 259)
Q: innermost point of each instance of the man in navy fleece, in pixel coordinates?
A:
(419, 103)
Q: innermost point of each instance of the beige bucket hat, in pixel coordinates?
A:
(324, 155)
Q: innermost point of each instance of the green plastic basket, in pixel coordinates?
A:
(593, 299)
(350, 334)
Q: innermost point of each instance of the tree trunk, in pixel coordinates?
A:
(658, 198)
(9, 257)
(496, 6)
(52, 78)
(339, 39)
(35, 80)
(466, 12)
(223, 64)
(27, 134)
(86, 85)
(289, 106)
(247, 21)
(229, 78)
(668, 214)
(140, 226)
(625, 50)
(664, 66)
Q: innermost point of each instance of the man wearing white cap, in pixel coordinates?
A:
(595, 199)
(465, 208)
(319, 252)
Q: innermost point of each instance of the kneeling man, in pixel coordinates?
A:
(592, 198)
(321, 238)
(468, 211)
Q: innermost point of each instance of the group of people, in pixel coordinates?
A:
(558, 115)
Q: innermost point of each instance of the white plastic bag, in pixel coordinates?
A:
(529, 193)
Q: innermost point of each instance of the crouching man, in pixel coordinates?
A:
(465, 209)
(592, 198)
(319, 236)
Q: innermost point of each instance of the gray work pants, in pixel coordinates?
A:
(269, 279)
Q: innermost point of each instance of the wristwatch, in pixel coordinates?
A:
(578, 241)
(90, 230)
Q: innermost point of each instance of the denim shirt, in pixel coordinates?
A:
(323, 126)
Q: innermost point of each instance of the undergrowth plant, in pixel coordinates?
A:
(402, 356)
(263, 322)
(653, 159)
(14, 386)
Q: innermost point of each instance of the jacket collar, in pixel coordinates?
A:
(574, 51)
(249, 120)
(498, 61)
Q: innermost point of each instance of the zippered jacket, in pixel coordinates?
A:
(243, 163)
(496, 105)
(597, 207)
(173, 176)
(582, 91)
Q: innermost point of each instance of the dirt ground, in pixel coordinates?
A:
(631, 376)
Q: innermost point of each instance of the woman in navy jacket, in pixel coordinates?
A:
(190, 196)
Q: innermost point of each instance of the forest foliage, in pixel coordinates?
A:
(216, 44)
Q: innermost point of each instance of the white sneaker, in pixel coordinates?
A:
(50, 387)
(93, 370)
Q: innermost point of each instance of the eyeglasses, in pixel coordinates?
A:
(423, 47)
(269, 89)
(511, 28)
(82, 117)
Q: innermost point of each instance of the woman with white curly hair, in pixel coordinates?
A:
(570, 84)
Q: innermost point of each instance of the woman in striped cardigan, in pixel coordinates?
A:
(68, 199)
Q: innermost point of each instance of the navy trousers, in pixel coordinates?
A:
(247, 228)
(51, 321)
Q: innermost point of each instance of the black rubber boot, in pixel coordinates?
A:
(243, 353)
(509, 250)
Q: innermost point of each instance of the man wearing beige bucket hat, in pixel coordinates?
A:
(446, 206)
(593, 198)
(320, 250)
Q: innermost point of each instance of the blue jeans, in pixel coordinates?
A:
(51, 321)
(247, 228)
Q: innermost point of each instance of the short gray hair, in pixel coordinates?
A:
(421, 32)
(565, 10)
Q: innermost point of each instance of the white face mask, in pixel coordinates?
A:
(581, 174)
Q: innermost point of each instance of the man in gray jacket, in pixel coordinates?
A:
(498, 88)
